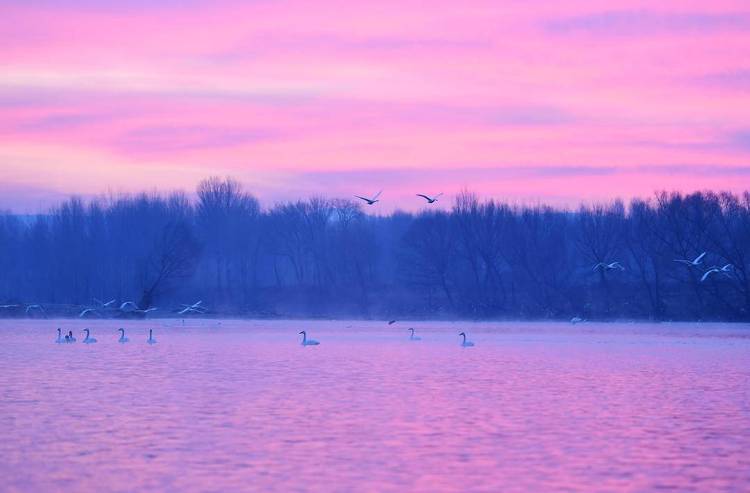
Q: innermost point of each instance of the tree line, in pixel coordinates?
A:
(324, 257)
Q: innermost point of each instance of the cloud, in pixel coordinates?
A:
(643, 22)
(741, 140)
(734, 79)
(702, 170)
(100, 6)
(480, 175)
(183, 138)
(64, 121)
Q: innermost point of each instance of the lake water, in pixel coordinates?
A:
(240, 405)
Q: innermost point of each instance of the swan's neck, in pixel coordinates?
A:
(304, 337)
(464, 336)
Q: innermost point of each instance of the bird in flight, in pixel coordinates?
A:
(717, 270)
(195, 308)
(692, 263)
(87, 311)
(30, 308)
(129, 305)
(372, 200)
(430, 200)
(103, 304)
(609, 266)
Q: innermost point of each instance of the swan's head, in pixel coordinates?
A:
(86, 331)
(70, 333)
(462, 334)
(411, 329)
(59, 331)
(121, 330)
(302, 332)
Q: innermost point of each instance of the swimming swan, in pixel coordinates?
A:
(466, 343)
(306, 341)
(70, 338)
(59, 339)
(122, 338)
(151, 339)
(412, 337)
(88, 339)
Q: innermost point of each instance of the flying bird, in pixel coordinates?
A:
(609, 266)
(195, 308)
(372, 200)
(129, 305)
(430, 200)
(87, 311)
(692, 263)
(717, 270)
(29, 308)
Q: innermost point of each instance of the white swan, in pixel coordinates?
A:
(412, 337)
(609, 266)
(306, 341)
(692, 263)
(88, 339)
(372, 200)
(59, 339)
(151, 339)
(466, 343)
(430, 200)
(128, 305)
(103, 304)
(122, 338)
(35, 306)
(194, 308)
(69, 338)
(86, 312)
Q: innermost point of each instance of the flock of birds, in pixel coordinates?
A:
(605, 266)
(69, 338)
(376, 198)
(127, 307)
(412, 337)
(697, 262)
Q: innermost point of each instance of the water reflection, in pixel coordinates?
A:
(242, 405)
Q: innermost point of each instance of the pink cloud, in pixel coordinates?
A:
(280, 92)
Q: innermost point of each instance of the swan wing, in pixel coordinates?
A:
(377, 195)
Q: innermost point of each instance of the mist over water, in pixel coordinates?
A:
(221, 405)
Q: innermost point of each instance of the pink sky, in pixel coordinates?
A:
(560, 102)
